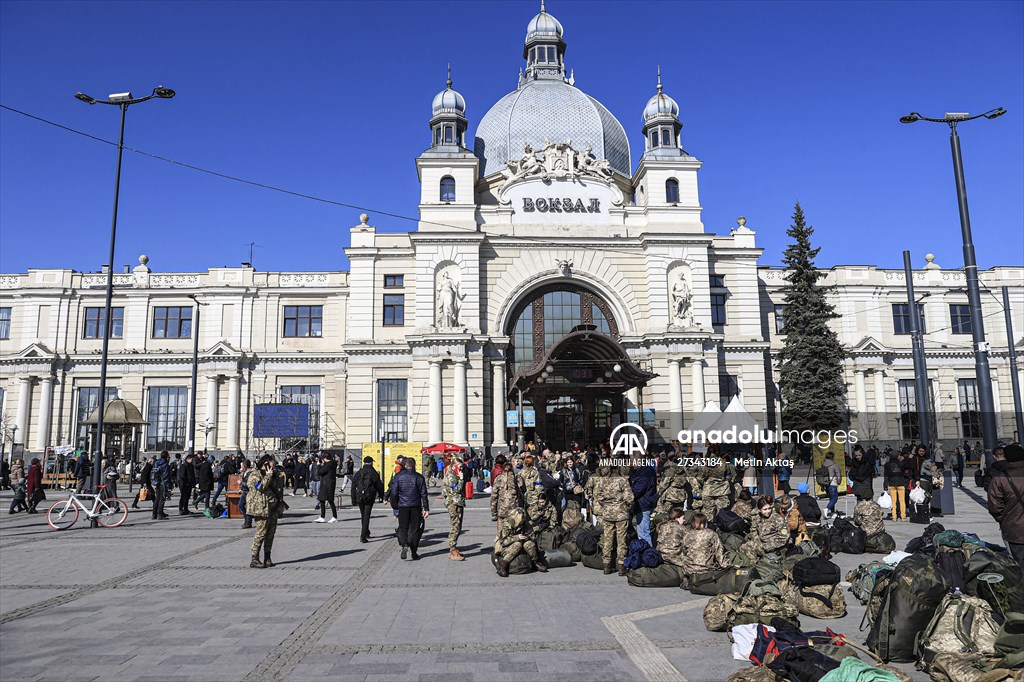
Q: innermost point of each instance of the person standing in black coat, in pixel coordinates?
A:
(367, 488)
(861, 471)
(204, 480)
(327, 473)
(301, 473)
(408, 494)
(186, 482)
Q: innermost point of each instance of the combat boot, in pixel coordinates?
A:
(246, 525)
(622, 570)
(608, 570)
(266, 559)
(456, 555)
(256, 563)
(502, 568)
(539, 565)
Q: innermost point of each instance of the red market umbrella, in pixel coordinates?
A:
(442, 449)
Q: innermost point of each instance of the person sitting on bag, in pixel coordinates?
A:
(743, 507)
(516, 537)
(868, 515)
(794, 520)
(807, 504)
(768, 531)
(702, 549)
(671, 534)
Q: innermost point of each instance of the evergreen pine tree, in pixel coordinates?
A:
(811, 369)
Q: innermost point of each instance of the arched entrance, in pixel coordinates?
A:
(568, 366)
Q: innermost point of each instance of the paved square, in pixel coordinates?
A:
(175, 600)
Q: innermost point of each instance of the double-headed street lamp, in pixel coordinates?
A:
(983, 374)
(122, 100)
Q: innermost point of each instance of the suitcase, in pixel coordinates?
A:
(979, 478)
(919, 513)
(557, 558)
(723, 581)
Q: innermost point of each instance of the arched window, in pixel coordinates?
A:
(666, 137)
(551, 313)
(654, 139)
(447, 188)
(672, 191)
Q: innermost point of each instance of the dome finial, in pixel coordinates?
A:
(542, 6)
(659, 77)
(449, 81)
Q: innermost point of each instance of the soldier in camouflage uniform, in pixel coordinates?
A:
(615, 496)
(670, 537)
(671, 488)
(868, 515)
(265, 504)
(528, 481)
(504, 494)
(588, 493)
(769, 531)
(702, 550)
(714, 493)
(453, 489)
(514, 537)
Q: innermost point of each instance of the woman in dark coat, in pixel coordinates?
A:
(301, 470)
(34, 480)
(328, 472)
(205, 481)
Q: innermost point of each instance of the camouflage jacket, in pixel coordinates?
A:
(514, 524)
(504, 494)
(589, 490)
(266, 494)
(772, 533)
(702, 551)
(715, 483)
(542, 517)
(742, 509)
(530, 486)
(670, 487)
(453, 488)
(868, 515)
(671, 535)
(615, 497)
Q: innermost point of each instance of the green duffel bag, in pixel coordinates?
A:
(550, 538)
(722, 581)
(769, 567)
(731, 540)
(573, 551)
(880, 543)
(557, 558)
(593, 561)
(666, 575)
(520, 565)
(1010, 641)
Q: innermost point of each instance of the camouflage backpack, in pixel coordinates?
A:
(759, 603)
(818, 601)
(571, 516)
(862, 579)
(961, 624)
(716, 611)
(967, 668)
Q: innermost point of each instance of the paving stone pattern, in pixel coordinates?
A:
(175, 600)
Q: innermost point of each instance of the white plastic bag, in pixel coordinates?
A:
(916, 496)
(885, 501)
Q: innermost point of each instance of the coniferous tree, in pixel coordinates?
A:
(811, 361)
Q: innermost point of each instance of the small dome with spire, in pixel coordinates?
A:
(661, 104)
(448, 100)
(543, 25)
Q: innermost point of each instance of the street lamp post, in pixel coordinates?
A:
(195, 377)
(983, 374)
(122, 100)
(924, 403)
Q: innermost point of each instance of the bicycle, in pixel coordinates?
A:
(109, 513)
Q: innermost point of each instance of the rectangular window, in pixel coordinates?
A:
(168, 417)
(172, 322)
(780, 319)
(717, 309)
(394, 310)
(970, 413)
(654, 139)
(392, 410)
(88, 401)
(728, 388)
(94, 323)
(551, 55)
(960, 318)
(394, 281)
(901, 318)
(5, 323)
(303, 395)
(717, 281)
(437, 135)
(448, 134)
(303, 320)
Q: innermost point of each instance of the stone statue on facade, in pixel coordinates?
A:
(564, 266)
(448, 302)
(591, 165)
(682, 302)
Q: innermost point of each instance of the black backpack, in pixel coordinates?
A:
(365, 491)
(814, 571)
(822, 477)
(908, 602)
(729, 521)
(847, 537)
(587, 542)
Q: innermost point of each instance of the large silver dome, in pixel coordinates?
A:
(548, 110)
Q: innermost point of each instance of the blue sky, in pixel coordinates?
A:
(781, 101)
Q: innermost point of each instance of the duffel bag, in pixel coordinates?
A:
(862, 579)
(717, 610)
(520, 565)
(960, 667)
(818, 601)
(729, 521)
(852, 540)
(666, 575)
(592, 561)
(550, 538)
(731, 540)
(908, 600)
(961, 623)
(557, 558)
(587, 541)
(769, 567)
(573, 550)
(879, 543)
(722, 581)
(1010, 641)
(815, 571)
(1005, 595)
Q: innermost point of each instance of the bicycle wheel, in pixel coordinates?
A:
(111, 512)
(62, 514)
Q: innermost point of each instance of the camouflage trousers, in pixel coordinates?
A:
(266, 529)
(512, 551)
(455, 519)
(712, 505)
(613, 537)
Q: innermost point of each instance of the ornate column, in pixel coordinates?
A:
(24, 405)
(675, 397)
(434, 406)
(697, 379)
(45, 413)
(861, 397)
(231, 439)
(880, 407)
(461, 433)
(212, 397)
(498, 400)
